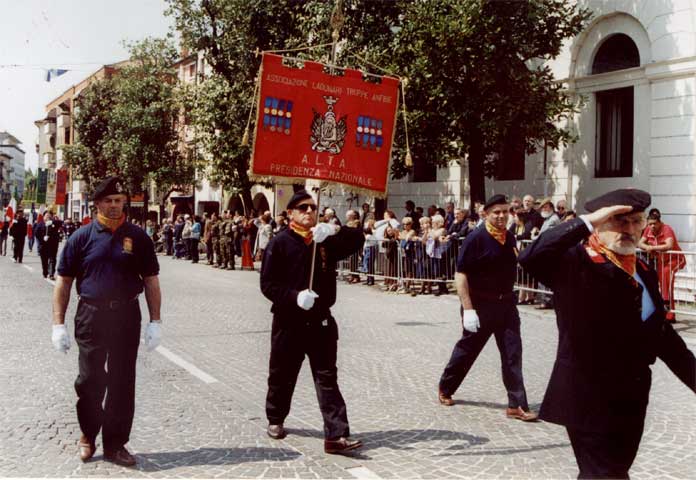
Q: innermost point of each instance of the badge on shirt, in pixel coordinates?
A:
(128, 245)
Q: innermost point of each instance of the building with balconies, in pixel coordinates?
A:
(14, 170)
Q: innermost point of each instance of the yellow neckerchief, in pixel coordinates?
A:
(627, 263)
(497, 233)
(110, 223)
(303, 232)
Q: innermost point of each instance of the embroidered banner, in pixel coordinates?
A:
(61, 186)
(313, 125)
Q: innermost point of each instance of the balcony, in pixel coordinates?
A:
(63, 121)
(49, 128)
(48, 159)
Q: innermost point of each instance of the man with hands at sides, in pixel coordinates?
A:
(486, 271)
(113, 261)
(302, 320)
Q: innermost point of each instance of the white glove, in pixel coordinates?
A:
(471, 321)
(305, 299)
(322, 231)
(45, 238)
(153, 335)
(60, 338)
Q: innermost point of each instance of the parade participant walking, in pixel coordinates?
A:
(659, 238)
(302, 321)
(4, 232)
(48, 237)
(611, 326)
(486, 270)
(113, 261)
(18, 231)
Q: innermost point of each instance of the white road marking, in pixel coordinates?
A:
(28, 267)
(362, 472)
(189, 367)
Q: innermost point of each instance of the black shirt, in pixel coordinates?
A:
(286, 266)
(489, 266)
(109, 266)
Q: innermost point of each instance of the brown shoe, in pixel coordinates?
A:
(445, 399)
(120, 456)
(520, 414)
(341, 445)
(86, 447)
(276, 432)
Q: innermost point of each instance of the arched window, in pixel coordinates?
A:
(617, 52)
(614, 141)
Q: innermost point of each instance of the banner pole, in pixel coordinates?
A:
(314, 244)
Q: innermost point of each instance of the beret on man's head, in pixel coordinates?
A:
(496, 200)
(632, 197)
(297, 198)
(109, 186)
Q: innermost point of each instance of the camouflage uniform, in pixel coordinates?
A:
(228, 235)
(215, 235)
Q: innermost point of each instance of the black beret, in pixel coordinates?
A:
(109, 186)
(297, 198)
(495, 200)
(632, 197)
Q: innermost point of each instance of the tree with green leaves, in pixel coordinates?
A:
(128, 125)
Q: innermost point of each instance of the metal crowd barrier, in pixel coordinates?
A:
(416, 266)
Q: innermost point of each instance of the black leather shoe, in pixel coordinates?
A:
(341, 445)
(87, 448)
(120, 456)
(276, 432)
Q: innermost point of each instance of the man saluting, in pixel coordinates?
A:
(611, 323)
(113, 261)
(302, 321)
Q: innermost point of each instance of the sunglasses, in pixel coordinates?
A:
(306, 206)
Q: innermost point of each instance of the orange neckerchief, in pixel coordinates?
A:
(303, 232)
(627, 263)
(498, 234)
(109, 223)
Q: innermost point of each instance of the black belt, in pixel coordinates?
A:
(109, 304)
(494, 296)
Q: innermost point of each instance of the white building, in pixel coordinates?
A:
(14, 167)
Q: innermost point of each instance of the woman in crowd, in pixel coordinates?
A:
(422, 261)
(369, 251)
(263, 236)
(186, 235)
(194, 238)
(435, 244)
(246, 228)
(407, 236)
(657, 239)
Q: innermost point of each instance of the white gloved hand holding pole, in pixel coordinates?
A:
(323, 230)
(60, 338)
(470, 320)
(153, 335)
(305, 299)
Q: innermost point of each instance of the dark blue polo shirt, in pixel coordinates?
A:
(489, 266)
(109, 266)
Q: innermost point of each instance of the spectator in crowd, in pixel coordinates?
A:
(391, 257)
(263, 237)
(407, 238)
(18, 231)
(533, 217)
(194, 238)
(208, 239)
(561, 208)
(459, 228)
(657, 239)
(550, 220)
(411, 212)
(481, 213)
(432, 210)
(246, 228)
(150, 230)
(422, 261)
(369, 251)
(569, 215)
(186, 235)
(168, 234)
(353, 221)
(280, 224)
(364, 212)
(449, 214)
(179, 248)
(419, 214)
(435, 246)
(30, 235)
(330, 217)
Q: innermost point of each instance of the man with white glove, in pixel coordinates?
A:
(486, 271)
(114, 262)
(302, 321)
(60, 338)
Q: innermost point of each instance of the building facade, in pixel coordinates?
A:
(13, 167)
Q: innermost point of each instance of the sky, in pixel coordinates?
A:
(77, 35)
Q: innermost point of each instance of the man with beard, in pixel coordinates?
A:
(611, 325)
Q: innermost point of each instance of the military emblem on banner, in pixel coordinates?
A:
(277, 115)
(368, 134)
(328, 135)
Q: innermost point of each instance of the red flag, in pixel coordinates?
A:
(314, 125)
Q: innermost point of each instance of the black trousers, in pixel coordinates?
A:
(18, 252)
(606, 455)
(291, 340)
(48, 263)
(106, 397)
(502, 321)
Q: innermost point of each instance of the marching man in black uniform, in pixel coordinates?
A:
(302, 321)
(113, 261)
(486, 271)
(611, 325)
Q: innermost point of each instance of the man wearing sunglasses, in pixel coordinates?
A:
(302, 320)
(611, 325)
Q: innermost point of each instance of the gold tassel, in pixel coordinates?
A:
(408, 161)
(245, 137)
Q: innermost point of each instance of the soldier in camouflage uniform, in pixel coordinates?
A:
(223, 262)
(229, 241)
(215, 237)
